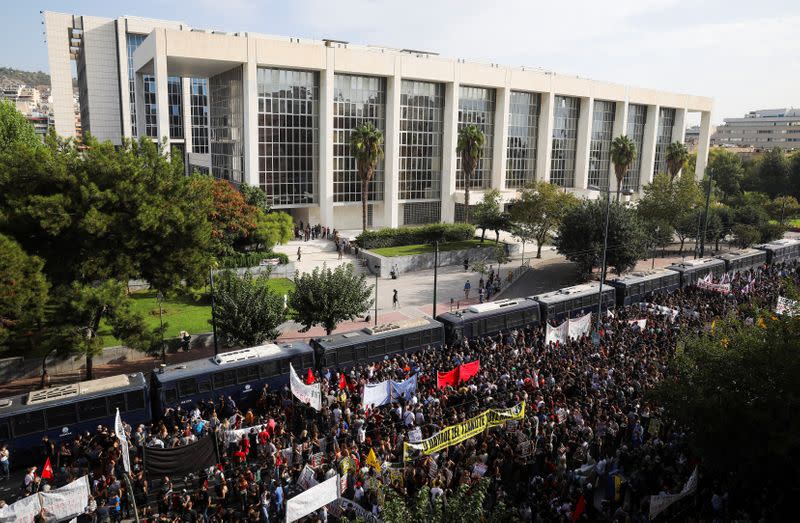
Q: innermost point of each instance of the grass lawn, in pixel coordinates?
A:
(180, 312)
(407, 250)
(794, 223)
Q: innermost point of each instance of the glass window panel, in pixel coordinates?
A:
(476, 106)
(61, 415)
(565, 138)
(523, 121)
(135, 400)
(199, 108)
(637, 118)
(422, 116)
(600, 146)
(92, 409)
(226, 113)
(666, 119)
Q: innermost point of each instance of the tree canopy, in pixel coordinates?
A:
(753, 367)
(773, 173)
(728, 172)
(15, 128)
(232, 218)
(489, 215)
(539, 210)
(623, 154)
(366, 146)
(580, 236)
(23, 289)
(246, 310)
(328, 296)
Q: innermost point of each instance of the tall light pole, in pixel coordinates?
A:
(705, 213)
(626, 192)
(377, 274)
(435, 274)
(160, 299)
(213, 311)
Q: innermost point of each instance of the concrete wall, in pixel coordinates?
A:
(18, 367)
(419, 262)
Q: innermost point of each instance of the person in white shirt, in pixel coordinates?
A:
(408, 417)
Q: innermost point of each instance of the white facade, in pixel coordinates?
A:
(562, 138)
(762, 129)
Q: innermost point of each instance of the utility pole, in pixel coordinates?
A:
(603, 270)
(435, 274)
(377, 273)
(160, 298)
(213, 312)
(705, 214)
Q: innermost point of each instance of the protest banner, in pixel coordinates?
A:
(311, 394)
(376, 394)
(415, 435)
(404, 389)
(119, 430)
(579, 327)
(558, 334)
(447, 379)
(317, 459)
(468, 370)
(787, 307)
(312, 499)
(359, 511)
(455, 434)
(23, 511)
(660, 503)
(372, 461)
(306, 479)
(479, 469)
(66, 502)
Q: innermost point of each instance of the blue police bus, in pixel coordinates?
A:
(743, 260)
(487, 319)
(240, 374)
(693, 270)
(641, 286)
(578, 300)
(64, 411)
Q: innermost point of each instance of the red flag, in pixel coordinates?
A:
(309, 377)
(47, 471)
(580, 508)
(342, 381)
(443, 379)
(468, 370)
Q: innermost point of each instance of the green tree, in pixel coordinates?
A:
(783, 208)
(745, 235)
(467, 503)
(232, 218)
(773, 173)
(623, 154)
(470, 147)
(254, 196)
(581, 232)
(487, 213)
(15, 128)
(275, 228)
(794, 175)
(754, 367)
(664, 200)
(246, 310)
(539, 210)
(23, 289)
(676, 156)
(686, 226)
(728, 172)
(366, 146)
(328, 296)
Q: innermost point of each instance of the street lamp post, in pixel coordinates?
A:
(160, 299)
(377, 273)
(435, 274)
(213, 311)
(626, 192)
(705, 214)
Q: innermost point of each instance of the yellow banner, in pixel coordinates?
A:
(455, 434)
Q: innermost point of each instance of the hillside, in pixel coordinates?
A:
(10, 75)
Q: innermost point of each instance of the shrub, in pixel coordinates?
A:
(414, 235)
(770, 232)
(250, 259)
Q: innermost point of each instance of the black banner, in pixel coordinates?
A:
(181, 460)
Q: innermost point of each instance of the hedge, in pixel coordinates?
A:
(250, 259)
(413, 235)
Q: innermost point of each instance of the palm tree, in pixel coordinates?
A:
(366, 147)
(470, 145)
(676, 156)
(623, 154)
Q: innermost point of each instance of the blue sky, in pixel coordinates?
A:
(745, 55)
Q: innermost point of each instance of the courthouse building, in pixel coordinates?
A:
(276, 113)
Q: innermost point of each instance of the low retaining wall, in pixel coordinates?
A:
(418, 262)
(278, 271)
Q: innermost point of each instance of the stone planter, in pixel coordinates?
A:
(420, 262)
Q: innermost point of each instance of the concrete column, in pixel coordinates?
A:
(186, 111)
(162, 78)
(648, 151)
(139, 100)
(544, 146)
(250, 99)
(584, 141)
(679, 127)
(124, 87)
(620, 128)
(325, 175)
(449, 154)
(391, 186)
(56, 27)
(500, 144)
(702, 145)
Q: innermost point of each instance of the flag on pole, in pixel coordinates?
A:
(310, 377)
(119, 430)
(47, 471)
(580, 508)
(372, 461)
(342, 381)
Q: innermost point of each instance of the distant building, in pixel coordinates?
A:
(32, 104)
(692, 137)
(763, 129)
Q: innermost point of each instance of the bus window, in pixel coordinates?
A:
(269, 369)
(28, 423)
(411, 341)
(116, 401)
(61, 416)
(170, 396)
(204, 384)
(187, 387)
(247, 374)
(344, 355)
(394, 346)
(92, 409)
(436, 334)
(226, 378)
(135, 400)
(5, 433)
(308, 361)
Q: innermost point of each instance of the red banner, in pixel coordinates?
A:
(443, 379)
(468, 370)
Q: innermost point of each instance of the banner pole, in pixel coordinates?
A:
(132, 496)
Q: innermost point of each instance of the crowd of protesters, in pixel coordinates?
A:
(590, 447)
